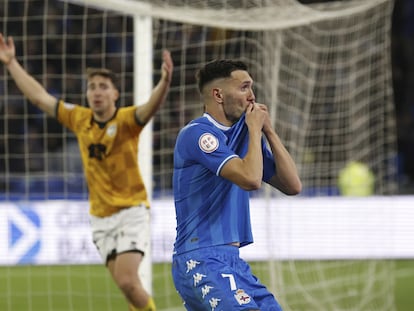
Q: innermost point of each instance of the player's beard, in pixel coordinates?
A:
(233, 115)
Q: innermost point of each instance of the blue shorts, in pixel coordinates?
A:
(216, 278)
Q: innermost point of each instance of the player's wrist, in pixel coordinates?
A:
(7, 63)
(166, 79)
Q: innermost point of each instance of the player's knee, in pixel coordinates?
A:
(126, 284)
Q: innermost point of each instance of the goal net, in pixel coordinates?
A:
(323, 70)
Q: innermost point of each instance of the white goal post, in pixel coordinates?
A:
(143, 52)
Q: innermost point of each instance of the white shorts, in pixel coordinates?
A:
(127, 230)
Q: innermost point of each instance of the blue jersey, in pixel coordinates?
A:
(211, 210)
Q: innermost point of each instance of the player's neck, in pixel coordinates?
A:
(104, 116)
(219, 117)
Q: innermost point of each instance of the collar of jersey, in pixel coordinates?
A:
(219, 125)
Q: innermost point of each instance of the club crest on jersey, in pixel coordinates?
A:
(208, 142)
(111, 131)
(241, 297)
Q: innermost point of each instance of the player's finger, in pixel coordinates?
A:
(167, 58)
(249, 107)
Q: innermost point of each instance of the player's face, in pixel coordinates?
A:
(237, 95)
(101, 95)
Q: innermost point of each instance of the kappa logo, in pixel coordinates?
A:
(208, 143)
(214, 302)
(206, 290)
(23, 234)
(191, 264)
(198, 277)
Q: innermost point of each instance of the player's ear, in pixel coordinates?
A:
(217, 94)
(116, 95)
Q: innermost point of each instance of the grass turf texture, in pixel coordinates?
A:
(88, 287)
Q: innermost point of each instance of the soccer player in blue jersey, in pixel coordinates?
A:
(218, 158)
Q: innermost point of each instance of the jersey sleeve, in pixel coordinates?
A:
(198, 144)
(128, 117)
(70, 115)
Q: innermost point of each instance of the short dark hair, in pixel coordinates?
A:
(91, 72)
(217, 69)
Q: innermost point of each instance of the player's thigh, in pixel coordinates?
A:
(124, 268)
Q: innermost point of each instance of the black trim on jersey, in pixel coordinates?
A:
(57, 107)
(139, 122)
(103, 124)
(100, 124)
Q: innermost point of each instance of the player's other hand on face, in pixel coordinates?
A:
(255, 116)
(267, 125)
(7, 49)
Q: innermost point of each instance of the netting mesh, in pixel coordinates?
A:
(328, 85)
(323, 70)
(242, 15)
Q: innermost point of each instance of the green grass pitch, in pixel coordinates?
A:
(88, 287)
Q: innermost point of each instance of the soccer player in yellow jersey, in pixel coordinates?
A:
(108, 141)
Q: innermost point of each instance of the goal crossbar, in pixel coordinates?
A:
(273, 17)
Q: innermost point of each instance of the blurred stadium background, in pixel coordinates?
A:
(339, 75)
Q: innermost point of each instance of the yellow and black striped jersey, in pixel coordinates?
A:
(109, 155)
